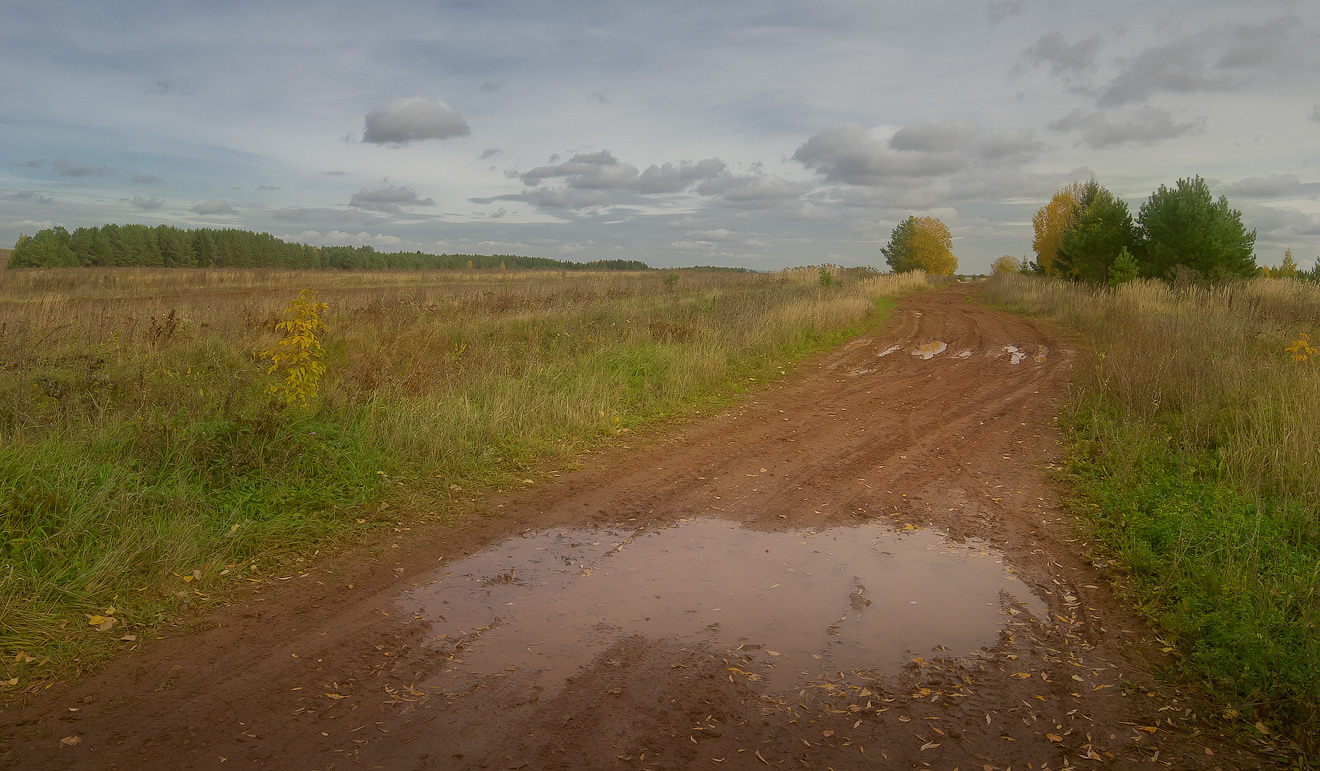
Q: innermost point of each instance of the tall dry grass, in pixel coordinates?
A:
(138, 443)
(1197, 458)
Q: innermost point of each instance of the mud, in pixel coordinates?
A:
(888, 479)
(803, 603)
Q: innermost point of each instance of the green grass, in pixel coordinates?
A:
(143, 467)
(1194, 462)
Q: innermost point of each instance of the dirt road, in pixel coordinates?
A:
(863, 565)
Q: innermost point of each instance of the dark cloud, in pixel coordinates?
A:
(292, 213)
(495, 215)
(852, 154)
(28, 195)
(413, 119)
(33, 164)
(334, 173)
(1146, 126)
(1280, 222)
(146, 179)
(67, 168)
(151, 204)
(1072, 62)
(388, 198)
(490, 152)
(1222, 58)
(160, 87)
(492, 86)
(267, 188)
(597, 96)
(602, 171)
(1272, 186)
(213, 207)
(998, 10)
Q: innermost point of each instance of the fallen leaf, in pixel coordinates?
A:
(1054, 737)
(827, 733)
(929, 746)
(336, 696)
(95, 620)
(105, 625)
(69, 741)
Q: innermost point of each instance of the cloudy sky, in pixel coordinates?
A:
(678, 132)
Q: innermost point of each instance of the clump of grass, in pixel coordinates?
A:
(1197, 460)
(144, 463)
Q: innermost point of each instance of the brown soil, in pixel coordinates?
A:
(377, 659)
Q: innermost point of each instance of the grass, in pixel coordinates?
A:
(1196, 459)
(144, 466)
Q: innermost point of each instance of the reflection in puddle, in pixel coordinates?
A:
(805, 603)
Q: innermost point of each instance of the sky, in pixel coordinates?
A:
(677, 132)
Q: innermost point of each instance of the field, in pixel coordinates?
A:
(144, 466)
(1195, 456)
(675, 515)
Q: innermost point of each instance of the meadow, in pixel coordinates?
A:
(1195, 461)
(145, 465)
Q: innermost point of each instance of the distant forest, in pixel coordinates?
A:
(169, 247)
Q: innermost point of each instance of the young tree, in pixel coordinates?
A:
(1288, 268)
(1006, 264)
(921, 243)
(1102, 230)
(1186, 226)
(1052, 221)
(1124, 269)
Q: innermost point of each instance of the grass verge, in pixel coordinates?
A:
(143, 466)
(1195, 462)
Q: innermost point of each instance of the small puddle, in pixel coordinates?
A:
(889, 350)
(930, 350)
(803, 603)
(1016, 355)
(965, 354)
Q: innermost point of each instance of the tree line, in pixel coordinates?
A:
(1180, 233)
(164, 246)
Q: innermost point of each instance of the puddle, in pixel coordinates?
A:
(889, 350)
(1016, 355)
(802, 603)
(965, 354)
(930, 350)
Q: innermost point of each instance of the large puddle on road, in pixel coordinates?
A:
(804, 603)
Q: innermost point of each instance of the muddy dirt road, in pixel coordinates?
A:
(864, 565)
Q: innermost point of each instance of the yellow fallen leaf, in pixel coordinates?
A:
(827, 733)
(1148, 728)
(69, 741)
(1259, 727)
(95, 620)
(336, 696)
(110, 611)
(929, 746)
(12, 681)
(1054, 737)
(186, 579)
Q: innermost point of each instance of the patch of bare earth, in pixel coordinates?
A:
(617, 620)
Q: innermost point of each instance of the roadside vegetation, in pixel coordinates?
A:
(161, 438)
(1195, 459)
